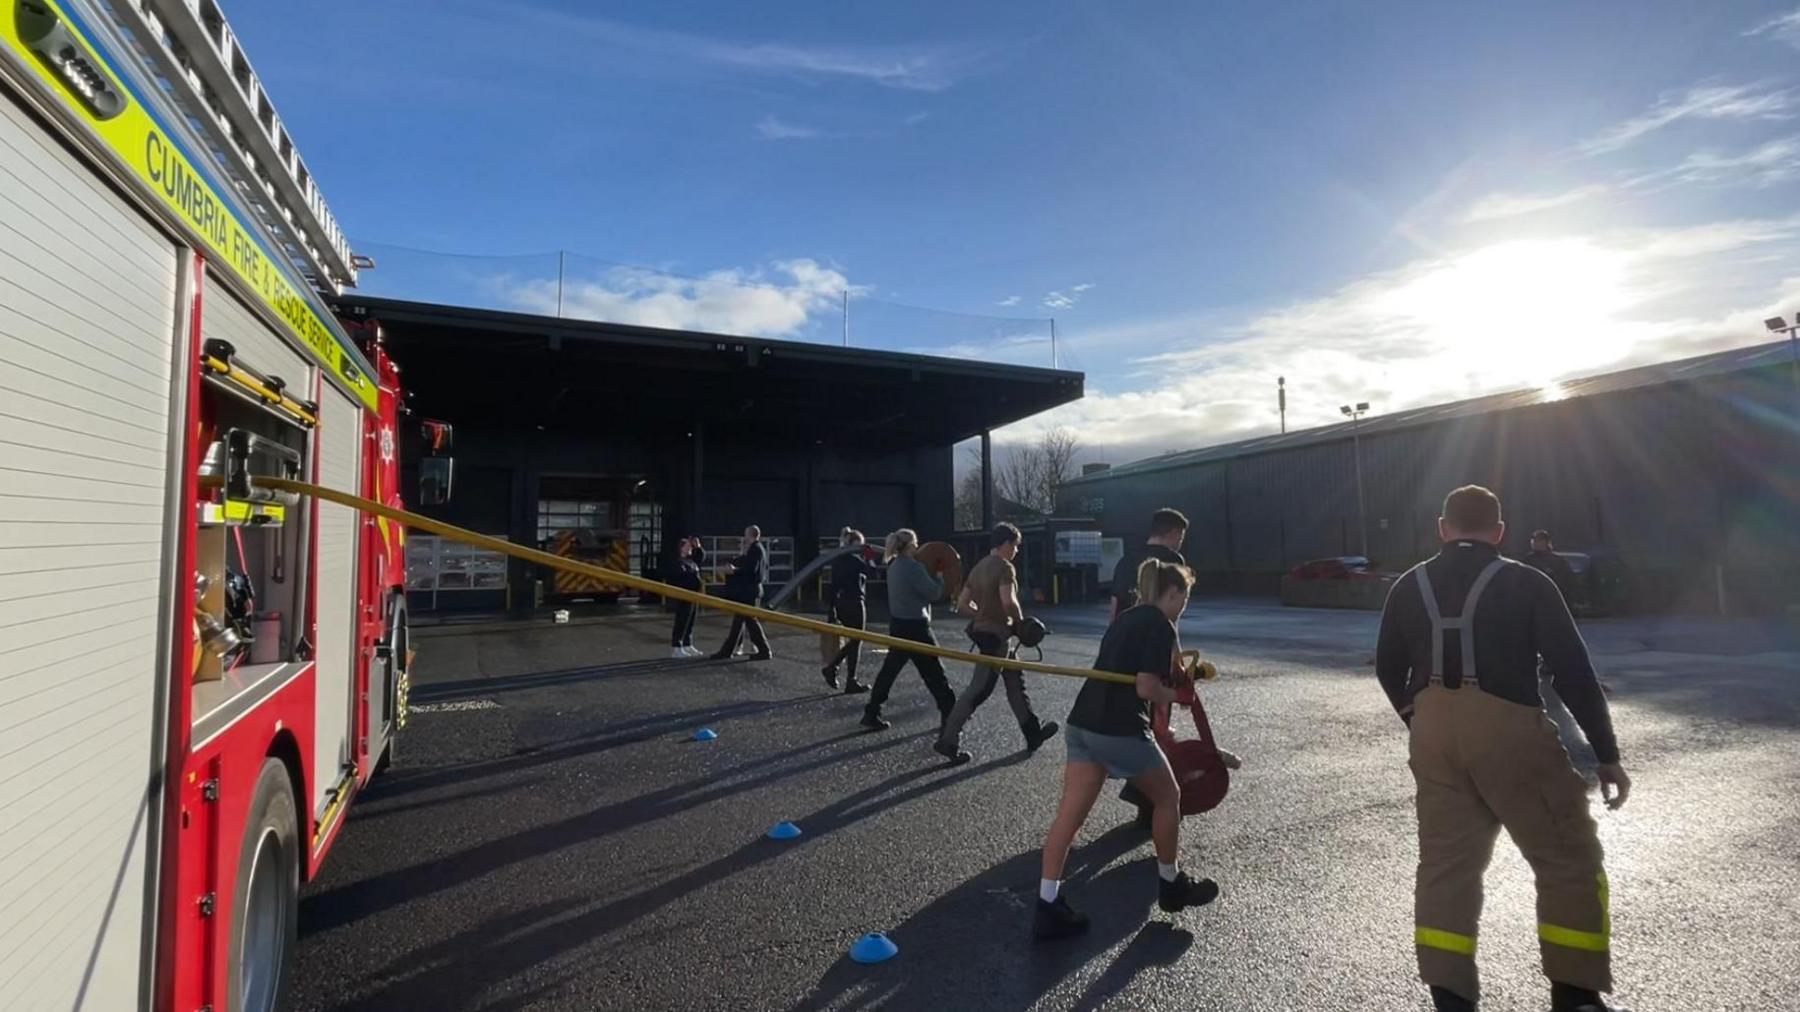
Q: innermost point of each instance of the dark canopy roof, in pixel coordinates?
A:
(475, 365)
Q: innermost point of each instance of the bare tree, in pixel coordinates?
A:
(1058, 445)
(968, 493)
(1030, 475)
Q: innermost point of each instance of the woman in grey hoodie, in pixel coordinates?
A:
(911, 590)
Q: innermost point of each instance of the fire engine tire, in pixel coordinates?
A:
(399, 642)
(266, 905)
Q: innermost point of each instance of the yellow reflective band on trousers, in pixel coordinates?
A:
(1449, 941)
(1587, 941)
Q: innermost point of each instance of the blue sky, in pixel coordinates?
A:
(1399, 202)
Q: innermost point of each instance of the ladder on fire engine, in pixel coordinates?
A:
(188, 48)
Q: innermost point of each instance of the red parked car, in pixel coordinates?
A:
(1338, 567)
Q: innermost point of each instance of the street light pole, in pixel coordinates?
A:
(1355, 413)
(1779, 325)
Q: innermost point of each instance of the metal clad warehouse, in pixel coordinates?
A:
(1686, 476)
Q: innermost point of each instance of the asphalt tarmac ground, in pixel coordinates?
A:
(550, 837)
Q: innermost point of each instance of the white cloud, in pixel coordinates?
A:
(1784, 27)
(1063, 300)
(905, 67)
(1702, 101)
(916, 118)
(776, 301)
(771, 129)
(1510, 205)
(1772, 162)
(1010, 300)
(1510, 316)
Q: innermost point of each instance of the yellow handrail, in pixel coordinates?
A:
(493, 544)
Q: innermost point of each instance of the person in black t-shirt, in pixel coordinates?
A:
(1168, 529)
(1109, 736)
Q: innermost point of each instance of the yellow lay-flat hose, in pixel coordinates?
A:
(438, 527)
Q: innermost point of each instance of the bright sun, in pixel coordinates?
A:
(1523, 311)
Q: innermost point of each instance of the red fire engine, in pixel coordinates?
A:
(196, 674)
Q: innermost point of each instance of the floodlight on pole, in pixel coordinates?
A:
(1355, 413)
(1779, 325)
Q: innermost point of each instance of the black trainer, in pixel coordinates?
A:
(956, 756)
(1174, 897)
(852, 687)
(1057, 920)
(1045, 732)
(873, 721)
(830, 674)
(765, 655)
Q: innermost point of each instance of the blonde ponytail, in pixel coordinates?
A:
(898, 542)
(1156, 577)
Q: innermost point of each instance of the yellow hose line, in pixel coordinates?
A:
(422, 523)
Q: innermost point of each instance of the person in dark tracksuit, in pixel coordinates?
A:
(689, 557)
(1457, 655)
(1544, 559)
(850, 574)
(911, 590)
(744, 584)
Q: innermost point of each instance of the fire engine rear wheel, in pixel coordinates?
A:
(398, 644)
(266, 908)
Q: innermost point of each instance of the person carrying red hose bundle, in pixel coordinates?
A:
(1109, 736)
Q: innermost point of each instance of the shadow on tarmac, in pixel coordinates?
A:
(436, 692)
(630, 732)
(353, 901)
(454, 974)
(972, 947)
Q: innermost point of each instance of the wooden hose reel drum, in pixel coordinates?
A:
(939, 559)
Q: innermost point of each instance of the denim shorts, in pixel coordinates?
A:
(1124, 756)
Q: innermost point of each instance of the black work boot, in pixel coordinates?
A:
(1445, 1000)
(1184, 892)
(1569, 998)
(1057, 919)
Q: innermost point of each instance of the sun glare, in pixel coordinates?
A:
(1522, 311)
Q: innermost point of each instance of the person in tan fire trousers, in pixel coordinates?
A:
(1458, 652)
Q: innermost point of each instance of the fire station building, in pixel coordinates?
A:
(636, 436)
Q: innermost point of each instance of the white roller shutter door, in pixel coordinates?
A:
(87, 324)
(340, 462)
(225, 318)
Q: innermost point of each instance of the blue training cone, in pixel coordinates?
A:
(784, 831)
(874, 947)
(705, 734)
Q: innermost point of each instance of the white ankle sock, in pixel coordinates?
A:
(1049, 889)
(1168, 871)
